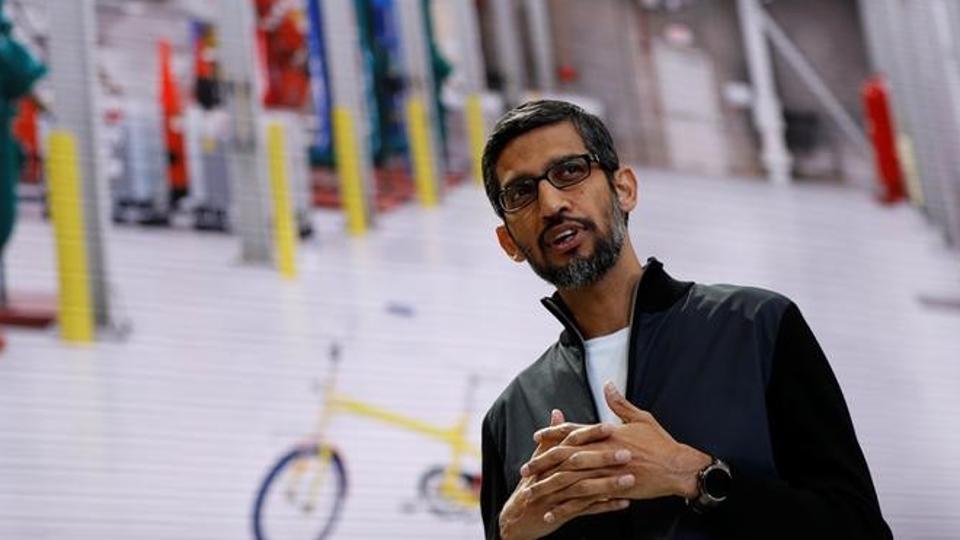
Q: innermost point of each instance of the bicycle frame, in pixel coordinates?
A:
(455, 436)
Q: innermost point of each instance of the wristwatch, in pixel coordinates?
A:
(714, 484)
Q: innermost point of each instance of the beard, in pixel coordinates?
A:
(582, 271)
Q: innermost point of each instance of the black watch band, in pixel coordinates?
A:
(713, 483)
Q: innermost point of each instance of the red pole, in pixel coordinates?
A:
(881, 130)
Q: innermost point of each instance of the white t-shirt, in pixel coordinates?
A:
(607, 361)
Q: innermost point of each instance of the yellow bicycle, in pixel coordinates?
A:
(303, 493)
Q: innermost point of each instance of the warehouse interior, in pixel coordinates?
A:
(233, 230)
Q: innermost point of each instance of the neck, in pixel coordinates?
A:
(604, 307)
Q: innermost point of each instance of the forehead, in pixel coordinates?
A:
(531, 152)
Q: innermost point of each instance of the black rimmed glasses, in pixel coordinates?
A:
(562, 175)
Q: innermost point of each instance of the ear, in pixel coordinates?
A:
(625, 185)
(508, 245)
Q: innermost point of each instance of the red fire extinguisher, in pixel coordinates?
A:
(881, 130)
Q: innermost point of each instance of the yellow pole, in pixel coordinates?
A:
(475, 130)
(284, 237)
(348, 169)
(908, 162)
(66, 207)
(421, 153)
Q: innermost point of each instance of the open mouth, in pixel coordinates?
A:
(564, 237)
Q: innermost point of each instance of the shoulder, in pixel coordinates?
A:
(747, 313)
(738, 302)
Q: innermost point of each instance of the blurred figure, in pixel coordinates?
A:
(19, 70)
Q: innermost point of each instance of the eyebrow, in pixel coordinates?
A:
(525, 176)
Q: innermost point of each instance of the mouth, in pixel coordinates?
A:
(563, 238)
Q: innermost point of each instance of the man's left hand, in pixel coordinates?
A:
(660, 465)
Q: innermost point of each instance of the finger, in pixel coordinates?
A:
(621, 407)
(605, 506)
(559, 481)
(567, 511)
(555, 433)
(595, 459)
(607, 486)
(572, 508)
(556, 419)
(588, 434)
(546, 461)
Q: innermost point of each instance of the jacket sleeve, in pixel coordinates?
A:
(824, 489)
(493, 488)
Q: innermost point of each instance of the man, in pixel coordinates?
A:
(720, 415)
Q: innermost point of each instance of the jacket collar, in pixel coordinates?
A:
(656, 291)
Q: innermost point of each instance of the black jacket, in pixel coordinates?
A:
(732, 371)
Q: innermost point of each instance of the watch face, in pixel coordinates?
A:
(717, 483)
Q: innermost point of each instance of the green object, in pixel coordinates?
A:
(441, 71)
(19, 70)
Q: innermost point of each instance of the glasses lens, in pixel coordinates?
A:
(518, 194)
(569, 172)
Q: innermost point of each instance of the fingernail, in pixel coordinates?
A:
(525, 470)
(622, 456)
(548, 517)
(609, 387)
(536, 437)
(623, 504)
(625, 480)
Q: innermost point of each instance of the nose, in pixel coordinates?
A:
(551, 200)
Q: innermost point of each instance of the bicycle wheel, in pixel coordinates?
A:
(300, 499)
(431, 483)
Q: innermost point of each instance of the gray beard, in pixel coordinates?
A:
(583, 271)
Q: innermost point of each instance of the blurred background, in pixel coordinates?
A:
(250, 287)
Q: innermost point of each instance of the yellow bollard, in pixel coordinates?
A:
(908, 162)
(348, 169)
(475, 130)
(421, 153)
(284, 235)
(66, 208)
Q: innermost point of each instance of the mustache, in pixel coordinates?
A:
(552, 221)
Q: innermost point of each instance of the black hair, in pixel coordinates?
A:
(536, 114)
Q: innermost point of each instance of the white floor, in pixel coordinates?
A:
(167, 434)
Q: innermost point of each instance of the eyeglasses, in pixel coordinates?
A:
(520, 193)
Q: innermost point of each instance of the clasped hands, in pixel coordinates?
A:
(580, 469)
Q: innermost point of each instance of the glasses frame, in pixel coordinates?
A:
(591, 159)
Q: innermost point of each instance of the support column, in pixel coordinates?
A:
(946, 17)
(350, 128)
(541, 39)
(509, 50)
(245, 150)
(73, 45)
(471, 64)
(767, 113)
(422, 116)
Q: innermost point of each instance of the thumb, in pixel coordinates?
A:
(556, 417)
(620, 406)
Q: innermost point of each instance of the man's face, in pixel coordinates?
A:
(570, 237)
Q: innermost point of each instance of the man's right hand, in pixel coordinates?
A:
(528, 515)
